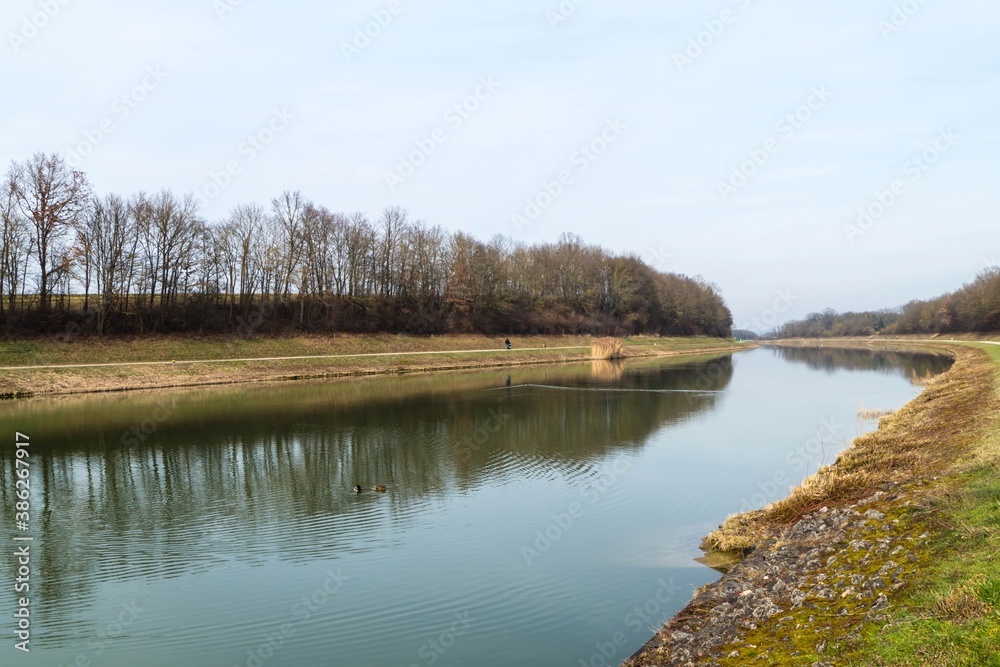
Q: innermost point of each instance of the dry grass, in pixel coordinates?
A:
(607, 348)
(408, 353)
(930, 436)
(868, 413)
(960, 606)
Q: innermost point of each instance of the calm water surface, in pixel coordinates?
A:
(548, 516)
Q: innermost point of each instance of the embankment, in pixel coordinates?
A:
(874, 560)
(48, 367)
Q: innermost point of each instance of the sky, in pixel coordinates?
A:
(798, 155)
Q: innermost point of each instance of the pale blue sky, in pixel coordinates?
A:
(681, 127)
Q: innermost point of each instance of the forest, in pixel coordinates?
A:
(973, 308)
(140, 263)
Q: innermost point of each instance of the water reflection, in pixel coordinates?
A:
(607, 370)
(159, 485)
(917, 367)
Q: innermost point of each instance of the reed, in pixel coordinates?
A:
(867, 414)
(607, 348)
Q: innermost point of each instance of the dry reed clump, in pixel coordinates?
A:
(960, 605)
(866, 414)
(739, 533)
(607, 348)
(929, 436)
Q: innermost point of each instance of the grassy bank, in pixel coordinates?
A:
(951, 615)
(176, 361)
(940, 453)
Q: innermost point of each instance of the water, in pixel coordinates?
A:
(545, 516)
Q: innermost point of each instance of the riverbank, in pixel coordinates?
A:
(85, 365)
(884, 558)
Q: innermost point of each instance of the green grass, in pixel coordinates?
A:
(952, 615)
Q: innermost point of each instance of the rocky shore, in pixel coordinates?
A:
(808, 586)
(810, 583)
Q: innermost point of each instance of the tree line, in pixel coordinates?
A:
(151, 263)
(973, 308)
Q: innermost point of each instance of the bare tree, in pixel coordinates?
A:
(246, 224)
(288, 211)
(113, 240)
(51, 196)
(15, 247)
(393, 226)
(171, 235)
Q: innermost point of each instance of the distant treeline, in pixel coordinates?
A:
(141, 263)
(974, 308)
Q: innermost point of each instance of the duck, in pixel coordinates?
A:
(357, 488)
(379, 487)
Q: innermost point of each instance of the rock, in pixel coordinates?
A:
(829, 562)
(890, 566)
(766, 609)
(824, 592)
(874, 583)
